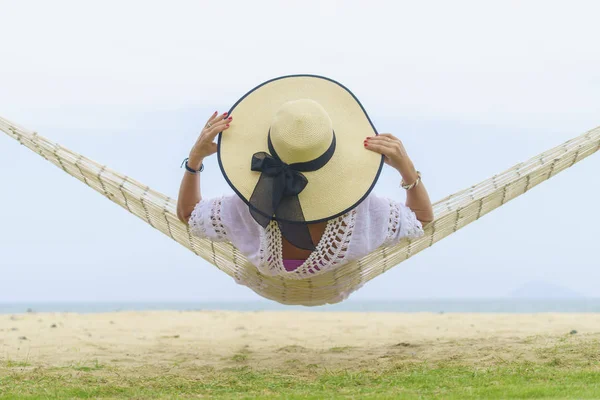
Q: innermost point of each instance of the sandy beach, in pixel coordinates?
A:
(268, 340)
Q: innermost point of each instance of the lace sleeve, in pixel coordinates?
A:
(206, 222)
(403, 223)
(381, 221)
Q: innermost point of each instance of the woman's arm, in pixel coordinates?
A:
(189, 191)
(417, 198)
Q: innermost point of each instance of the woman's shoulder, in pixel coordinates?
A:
(232, 203)
(374, 202)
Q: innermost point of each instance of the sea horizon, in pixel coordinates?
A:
(485, 305)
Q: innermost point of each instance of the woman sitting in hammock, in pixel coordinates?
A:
(302, 157)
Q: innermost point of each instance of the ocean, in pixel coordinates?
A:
(513, 305)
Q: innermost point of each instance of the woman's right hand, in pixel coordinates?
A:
(395, 154)
(205, 144)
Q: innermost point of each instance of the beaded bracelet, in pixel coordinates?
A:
(187, 167)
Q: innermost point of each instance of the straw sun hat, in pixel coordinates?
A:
(295, 153)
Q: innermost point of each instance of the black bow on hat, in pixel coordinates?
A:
(275, 196)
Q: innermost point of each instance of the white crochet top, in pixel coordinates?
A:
(374, 222)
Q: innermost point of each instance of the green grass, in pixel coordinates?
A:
(412, 380)
(240, 357)
(13, 364)
(82, 367)
(340, 349)
(550, 368)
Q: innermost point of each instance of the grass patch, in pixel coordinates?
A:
(567, 368)
(292, 349)
(87, 368)
(341, 349)
(14, 364)
(240, 357)
(410, 380)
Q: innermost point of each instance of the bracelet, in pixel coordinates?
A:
(187, 167)
(412, 185)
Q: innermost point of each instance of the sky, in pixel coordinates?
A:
(470, 87)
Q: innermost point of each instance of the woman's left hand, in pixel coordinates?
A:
(205, 145)
(395, 154)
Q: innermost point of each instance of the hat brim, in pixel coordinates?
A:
(334, 189)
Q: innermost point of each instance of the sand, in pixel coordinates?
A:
(268, 339)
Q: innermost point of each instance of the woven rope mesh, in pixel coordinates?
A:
(451, 214)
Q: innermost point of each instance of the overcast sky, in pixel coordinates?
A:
(471, 88)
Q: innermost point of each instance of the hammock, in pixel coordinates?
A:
(451, 214)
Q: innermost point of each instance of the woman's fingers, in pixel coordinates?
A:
(205, 145)
(379, 147)
(220, 117)
(214, 118)
(383, 139)
(388, 135)
(214, 130)
(387, 141)
(391, 147)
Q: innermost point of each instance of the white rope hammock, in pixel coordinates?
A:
(451, 214)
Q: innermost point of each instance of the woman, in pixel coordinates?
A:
(302, 157)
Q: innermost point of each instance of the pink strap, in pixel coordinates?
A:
(291, 265)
